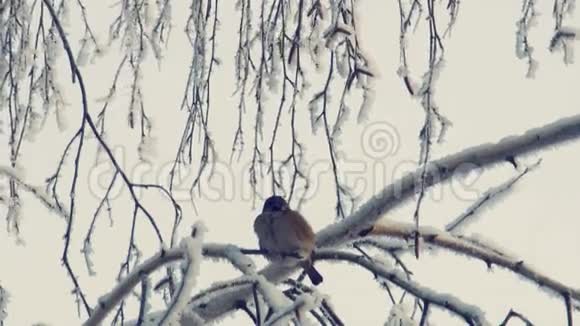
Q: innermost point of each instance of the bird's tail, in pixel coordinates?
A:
(313, 274)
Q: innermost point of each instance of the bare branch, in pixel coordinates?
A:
(486, 199)
(514, 314)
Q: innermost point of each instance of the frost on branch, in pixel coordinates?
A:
(271, 294)
(399, 316)
(283, 48)
(242, 262)
(277, 42)
(192, 247)
(523, 48)
(201, 28)
(299, 308)
(563, 35)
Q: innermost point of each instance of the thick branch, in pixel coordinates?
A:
(110, 300)
(125, 286)
(490, 256)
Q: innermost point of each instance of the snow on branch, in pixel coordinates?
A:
(399, 316)
(365, 217)
(491, 256)
(327, 311)
(563, 33)
(124, 287)
(201, 29)
(40, 194)
(283, 34)
(471, 314)
(225, 297)
(234, 255)
(441, 170)
(523, 48)
(192, 247)
(210, 250)
(302, 304)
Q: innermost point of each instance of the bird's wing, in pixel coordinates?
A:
(263, 229)
(260, 226)
(298, 234)
(303, 230)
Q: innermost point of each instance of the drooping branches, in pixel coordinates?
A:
(202, 26)
(273, 42)
(348, 63)
(435, 124)
(88, 126)
(291, 56)
(442, 16)
(523, 48)
(28, 87)
(563, 34)
(133, 27)
(561, 39)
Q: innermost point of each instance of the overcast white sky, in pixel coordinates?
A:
(482, 90)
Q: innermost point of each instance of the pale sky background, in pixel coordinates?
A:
(482, 90)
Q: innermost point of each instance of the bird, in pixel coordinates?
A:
(285, 236)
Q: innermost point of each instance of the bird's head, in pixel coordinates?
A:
(275, 204)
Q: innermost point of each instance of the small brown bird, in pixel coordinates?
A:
(286, 236)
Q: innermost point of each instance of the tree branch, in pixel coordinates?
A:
(491, 256)
(471, 314)
(392, 196)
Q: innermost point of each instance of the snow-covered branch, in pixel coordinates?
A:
(506, 150)
(36, 191)
(192, 248)
(300, 306)
(123, 288)
(441, 170)
(471, 314)
(491, 256)
(210, 250)
(279, 41)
